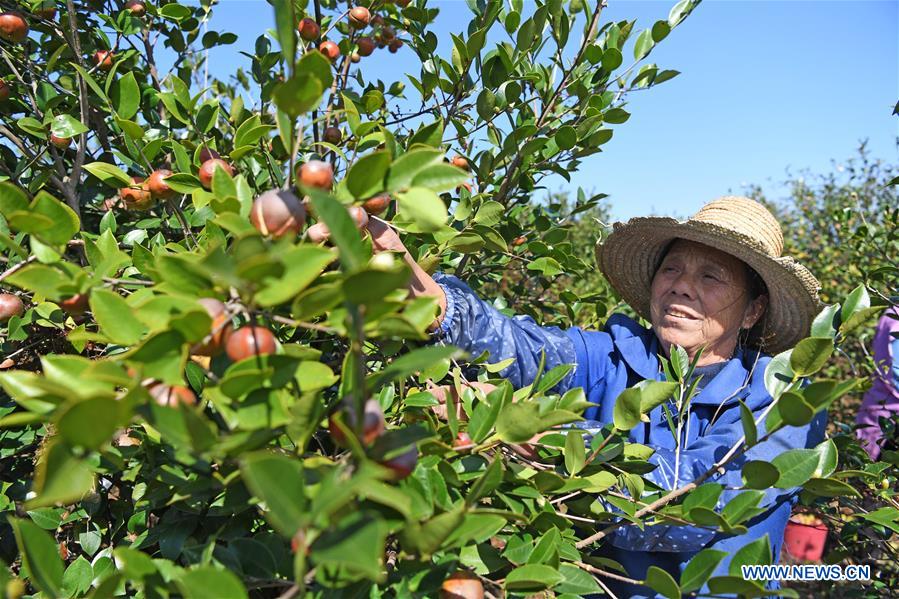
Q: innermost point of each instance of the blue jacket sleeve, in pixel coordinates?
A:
(696, 459)
(475, 326)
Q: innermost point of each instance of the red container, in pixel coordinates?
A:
(805, 541)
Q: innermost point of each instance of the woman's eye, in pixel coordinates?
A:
(712, 277)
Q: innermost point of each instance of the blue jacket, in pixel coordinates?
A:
(608, 362)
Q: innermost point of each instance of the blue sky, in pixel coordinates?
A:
(764, 86)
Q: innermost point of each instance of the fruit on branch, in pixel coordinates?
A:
(462, 585)
(207, 169)
(47, 10)
(354, 57)
(249, 341)
(466, 185)
(4, 91)
(373, 423)
(104, 59)
(172, 395)
(75, 305)
(207, 154)
(387, 34)
(219, 331)
(359, 216)
(359, 17)
(462, 441)
(10, 305)
(377, 204)
(332, 135)
(460, 162)
(13, 27)
(519, 240)
(60, 142)
(136, 7)
(330, 50)
(137, 196)
(309, 29)
(157, 185)
(317, 173)
(403, 464)
(318, 233)
(277, 213)
(377, 20)
(395, 45)
(365, 46)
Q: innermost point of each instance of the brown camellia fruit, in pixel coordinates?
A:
(157, 185)
(10, 305)
(359, 216)
(318, 233)
(75, 305)
(332, 135)
(4, 90)
(373, 423)
(104, 59)
(249, 341)
(359, 17)
(207, 154)
(354, 57)
(462, 585)
(46, 10)
(387, 34)
(137, 196)
(377, 204)
(277, 213)
(403, 464)
(377, 20)
(330, 50)
(366, 46)
(309, 29)
(136, 7)
(460, 162)
(317, 173)
(172, 395)
(60, 142)
(207, 169)
(13, 27)
(395, 44)
(219, 331)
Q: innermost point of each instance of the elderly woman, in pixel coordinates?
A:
(715, 282)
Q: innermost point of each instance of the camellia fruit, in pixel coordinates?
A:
(75, 305)
(332, 135)
(462, 441)
(137, 196)
(46, 10)
(207, 154)
(172, 395)
(4, 90)
(359, 216)
(373, 423)
(377, 20)
(60, 142)
(13, 27)
(249, 341)
(136, 7)
(104, 59)
(207, 169)
(366, 46)
(460, 162)
(330, 50)
(377, 204)
(157, 185)
(10, 305)
(318, 233)
(277, 213)
(309, 29)
(219, 331)
(316, 173)
(359, 17)
(462, 585)
(403, 464)
(387, 34)
(395, 44)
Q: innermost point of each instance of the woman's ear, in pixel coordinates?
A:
(754, 311)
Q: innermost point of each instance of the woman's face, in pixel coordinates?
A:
(700, 298)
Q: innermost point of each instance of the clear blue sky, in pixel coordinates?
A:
(764, 86)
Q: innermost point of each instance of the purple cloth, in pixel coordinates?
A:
(882, 399)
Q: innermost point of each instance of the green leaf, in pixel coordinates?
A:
(519, 421)
(285, 24)
(116, 317)
(279, 482)
(660, 31)
(759, 475)
(40, 556)
(826, 321)
(575, 454)
(487, 483)
(208, 582)
(758, 552)
(611, 59)
(855, 301)
(111, 175)
(626, 413)
(742, 507)
(125, 96)
(64, 125)
(827, 458)
(439, 177)
(45, 280)
(829, 487)
(163, 355)
(366, 177)
(317, 65)
(810, 355)
(424, 207)
(566, 137)
(795, 467)
(700, 568)
(702, 496)
(302, 265)
(404, 168)
(299, 94)
(12, 198)
(356, 544)
(91, 422)
(778, 374)
(371, 286)
(76, 580)
(485, 104)
(412, 362)
(661, 581)
(748, 421)
(532, 578)
(343, 230)
(429, 135)
(794, 410)
(60, 477)
(63, 221)
(643, 44)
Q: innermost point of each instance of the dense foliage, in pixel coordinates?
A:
(213, 388)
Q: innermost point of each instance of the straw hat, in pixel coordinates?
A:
(630, 255)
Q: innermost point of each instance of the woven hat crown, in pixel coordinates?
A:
(751, 221)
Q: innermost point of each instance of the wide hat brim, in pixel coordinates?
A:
(630, 255)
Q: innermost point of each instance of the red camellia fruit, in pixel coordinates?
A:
(359, 216)
(462, 585)
(377, 20)
(359, 17)
(13, 27)
(219, 331)
(330, 50)
(207, 154)
(316, 173)
(10, 305)
(460, 162)
(207, 169)
(75, 305)
(332, 135)
(172, 395)
(136, 7)
(157, 185)
(4, 90)
(462, 440)
(403, 464)
(309, 29)
(394, 45)
(60, 142)
(137, 196)
(318, 233)
(373, 423)
(249, 341)
(366, 46)
(104, 59)
(377, 204)
(519, 240)
(277, 213)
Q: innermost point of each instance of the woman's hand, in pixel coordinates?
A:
(383, 237)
